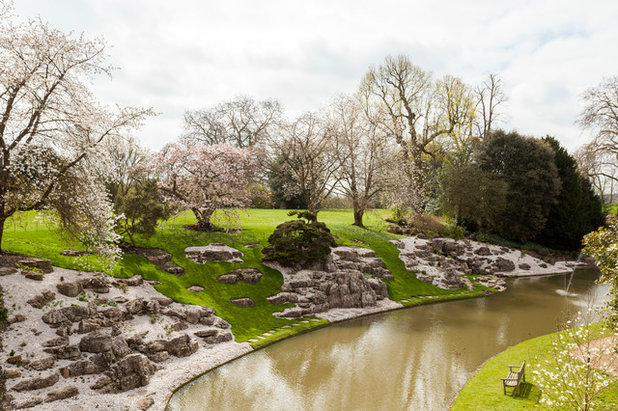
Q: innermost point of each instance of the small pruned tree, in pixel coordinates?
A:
(204, 178)
(140, 208)
(299, 242)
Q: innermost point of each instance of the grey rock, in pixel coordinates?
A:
(144, 403)
(62, 393)
(10, 372)
(54, 342)
(34, 276)
(7, 271)
(42, 364)
(95, 342)
(243, 302)
(81, 367)
(159, 356)
(219, 338)
(213, 252)
(70, 289)
(131, 372)
(163, 301)
(181, 346)
(74, 253)
(206, 333)
(65, 352)
(196, 288)
(40, 263)
(44, 381)
(482, 251)
(180, 325)
(87, 326)
(120, 348)
(524, 266)
(504, 265)
(29, 403)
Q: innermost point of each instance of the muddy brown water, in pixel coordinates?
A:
(415, 359)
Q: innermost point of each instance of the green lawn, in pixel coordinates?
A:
(25, 235)
(610, 208)
(484, 389)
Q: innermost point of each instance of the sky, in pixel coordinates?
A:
(191, 54)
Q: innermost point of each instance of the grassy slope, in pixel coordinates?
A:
(484, 389)
(25, 235)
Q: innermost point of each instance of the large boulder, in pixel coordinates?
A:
(40, 300)
(70, 289)
(181, 346)
(504, 265)
(77, 368)
(96, 342)
(131, 372)
(65, 352)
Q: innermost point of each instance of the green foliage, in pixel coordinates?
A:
(454, 231)
(280, 182)
(4, 312)
(299, 242)
(260, 196)
(141, 206)
(527, 166)
(578, 209)
(475, 198)
(603, 246)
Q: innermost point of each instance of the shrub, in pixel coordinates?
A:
(299, 242)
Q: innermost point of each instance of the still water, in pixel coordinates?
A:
(416, 359)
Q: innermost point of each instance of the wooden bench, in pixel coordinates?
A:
(514, 378)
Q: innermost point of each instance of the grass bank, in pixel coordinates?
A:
(27, 234)
(484, 389)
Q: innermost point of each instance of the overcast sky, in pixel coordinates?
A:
(189, 54)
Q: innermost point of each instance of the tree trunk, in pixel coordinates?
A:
(2, 221)
(358, 216)
(203, 219)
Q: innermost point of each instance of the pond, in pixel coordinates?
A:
(413, 359)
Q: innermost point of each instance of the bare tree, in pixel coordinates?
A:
(490, 95)
(362, 154)
(242, 122)
(599, 158)
(416, 111)
(308, 152)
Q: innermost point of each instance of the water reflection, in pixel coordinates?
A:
(410, 359)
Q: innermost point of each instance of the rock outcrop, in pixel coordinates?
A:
(351, 277)
(443, 261)
(213, 252)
